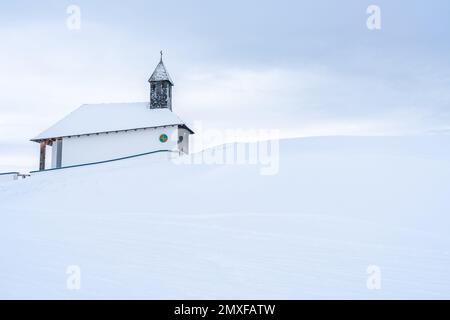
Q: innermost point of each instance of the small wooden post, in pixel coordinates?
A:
(43, 145)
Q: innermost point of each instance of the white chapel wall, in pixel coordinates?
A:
(94, 148)
(184, 145)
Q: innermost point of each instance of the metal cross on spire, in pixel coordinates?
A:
(161, 54)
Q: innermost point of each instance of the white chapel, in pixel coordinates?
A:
(102, 132)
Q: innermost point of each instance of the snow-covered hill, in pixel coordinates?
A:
(141, 228)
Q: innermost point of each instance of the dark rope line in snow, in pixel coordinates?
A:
(104, 161)
(6, 173)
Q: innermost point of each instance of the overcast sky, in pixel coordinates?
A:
(304, 67)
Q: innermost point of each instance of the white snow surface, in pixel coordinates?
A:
(144, 229)
(108, 117)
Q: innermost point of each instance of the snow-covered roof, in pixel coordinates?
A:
(160, 74)
(108, 117)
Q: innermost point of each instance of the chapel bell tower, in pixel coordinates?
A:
(160, 87)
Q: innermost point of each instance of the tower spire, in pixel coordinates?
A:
(161, 52)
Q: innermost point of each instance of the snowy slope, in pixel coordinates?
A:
(140, 229)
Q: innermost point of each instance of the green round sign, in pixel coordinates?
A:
(163, 138)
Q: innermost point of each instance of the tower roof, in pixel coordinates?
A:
(160, 73)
